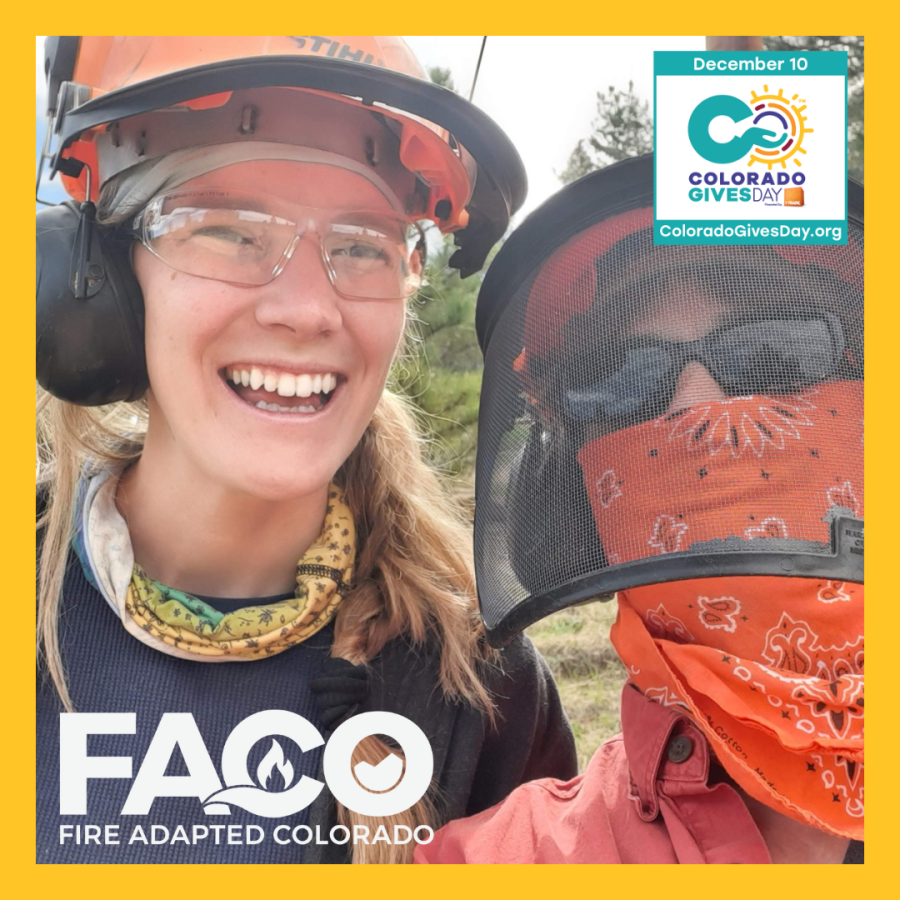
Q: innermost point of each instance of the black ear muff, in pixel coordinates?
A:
(546, 496)
(90, 311)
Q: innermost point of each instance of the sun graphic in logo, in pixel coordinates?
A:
(774, 111)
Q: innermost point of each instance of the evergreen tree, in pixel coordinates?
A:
(623, 128)
(443, 77)
(440, 370)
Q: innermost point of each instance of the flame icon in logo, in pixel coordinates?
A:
(273, 760)
(270, 799)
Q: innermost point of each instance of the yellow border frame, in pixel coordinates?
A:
(21, 874)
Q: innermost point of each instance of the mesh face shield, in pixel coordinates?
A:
(653, 414)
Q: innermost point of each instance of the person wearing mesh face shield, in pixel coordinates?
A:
(680, 427)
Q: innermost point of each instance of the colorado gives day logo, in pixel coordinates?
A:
(738, 160)
(765, 145)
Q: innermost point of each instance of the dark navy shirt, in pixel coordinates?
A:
(110, 671)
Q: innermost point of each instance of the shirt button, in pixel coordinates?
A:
(680, 748)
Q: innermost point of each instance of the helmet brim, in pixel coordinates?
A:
(501, 183)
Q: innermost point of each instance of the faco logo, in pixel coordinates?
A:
(398, 787)
(775, 135)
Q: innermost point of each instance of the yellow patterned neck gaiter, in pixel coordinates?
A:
(192, 627)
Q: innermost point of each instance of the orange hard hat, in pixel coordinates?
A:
(470, 175)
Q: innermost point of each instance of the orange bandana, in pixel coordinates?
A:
(757, 467)
(770, 668)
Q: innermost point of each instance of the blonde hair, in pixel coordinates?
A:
(414, 572)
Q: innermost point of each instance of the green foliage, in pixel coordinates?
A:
(855, 47)
(441, 370)
(623, 128)
(443, 77)
(579, 165)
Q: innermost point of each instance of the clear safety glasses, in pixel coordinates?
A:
(247, 239)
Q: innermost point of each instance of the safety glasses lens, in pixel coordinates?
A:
(242, 240)
(774, 355)
(378, 258)
(627, 392)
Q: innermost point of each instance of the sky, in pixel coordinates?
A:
(540, 90)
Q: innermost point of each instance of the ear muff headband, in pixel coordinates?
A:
(90, 348)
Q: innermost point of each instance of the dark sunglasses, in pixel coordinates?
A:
(777, 356)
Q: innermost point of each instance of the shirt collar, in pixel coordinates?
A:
(664, 749)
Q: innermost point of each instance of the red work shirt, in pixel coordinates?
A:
(645, 797)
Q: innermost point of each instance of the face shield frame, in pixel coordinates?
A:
(500, 186)
(625, 186)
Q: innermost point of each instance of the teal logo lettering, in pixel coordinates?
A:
(740, 145)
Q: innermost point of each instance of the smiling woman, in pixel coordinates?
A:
(224, 477)
(208, 316)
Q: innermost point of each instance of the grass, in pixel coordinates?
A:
(575, 643)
